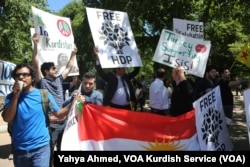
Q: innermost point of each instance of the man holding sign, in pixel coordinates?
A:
(54, 84)
(119, 93)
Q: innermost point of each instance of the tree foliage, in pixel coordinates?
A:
(224, 21)
(226, 25)
(15, 24)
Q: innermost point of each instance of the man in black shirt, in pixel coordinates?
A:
(226, 93)
(182, 97)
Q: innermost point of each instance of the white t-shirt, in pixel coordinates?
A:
(158, 95)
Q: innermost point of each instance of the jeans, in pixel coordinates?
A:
(56, 131)
(32, 158)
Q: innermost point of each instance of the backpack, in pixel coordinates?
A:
(45, 103)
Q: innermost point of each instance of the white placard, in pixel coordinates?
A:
(114, 38)
(174, 50)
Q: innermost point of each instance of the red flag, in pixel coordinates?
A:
(106, 128)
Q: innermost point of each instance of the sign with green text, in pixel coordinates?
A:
(174, 49)
(56, 40)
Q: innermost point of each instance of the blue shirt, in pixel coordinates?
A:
(93, 97)
(30, 130)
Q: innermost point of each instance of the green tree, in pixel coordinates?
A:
(15, 24)
(224, 21)
(225, 25)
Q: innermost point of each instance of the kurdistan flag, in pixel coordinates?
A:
(106, 128)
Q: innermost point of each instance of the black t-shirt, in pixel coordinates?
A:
(182, 98)
(226, 93)
(201, 87)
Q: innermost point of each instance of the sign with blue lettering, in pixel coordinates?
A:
(6, 81)
(189, 28)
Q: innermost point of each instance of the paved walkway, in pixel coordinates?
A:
(238, 132)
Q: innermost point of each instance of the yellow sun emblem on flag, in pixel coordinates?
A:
(171, 145)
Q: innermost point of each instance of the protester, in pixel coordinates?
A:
(168, 85)
(207, 83)
(144, 86)
(158, 94)
(54, 83)
(238, 88)
(182, 97)
(9, 129)
(226, 93)
(119, 92)
(30, 131)
(139, 96)
(87, 94)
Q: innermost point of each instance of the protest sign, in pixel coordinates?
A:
(70, 138)
(114, 38)
(211, 124)
(6, 80)
(189, 28)
(174, 50)
(246, 94)
(56, 40)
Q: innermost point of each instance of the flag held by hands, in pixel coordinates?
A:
(106, 128)
(244, 56)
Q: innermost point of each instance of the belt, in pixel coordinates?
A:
(57, 121)
(127, 107)
(161, 112)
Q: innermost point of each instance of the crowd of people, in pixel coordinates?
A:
(23, 107)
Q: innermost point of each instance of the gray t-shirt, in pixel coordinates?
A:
(55, 87)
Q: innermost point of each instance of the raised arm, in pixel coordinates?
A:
(35, 58)
(234, 84)
(98, 66)
(70, 64)
(66, 109)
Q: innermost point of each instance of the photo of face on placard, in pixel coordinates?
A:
(62, 61)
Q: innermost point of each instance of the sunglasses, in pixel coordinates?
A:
(24, 74)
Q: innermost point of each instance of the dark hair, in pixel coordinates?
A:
(32, 71)
(160, 73)
(210, 67)
(88, 75)
(46, 66)
(221, 70)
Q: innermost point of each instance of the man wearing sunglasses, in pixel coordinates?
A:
(30, 131)
(54, 83)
